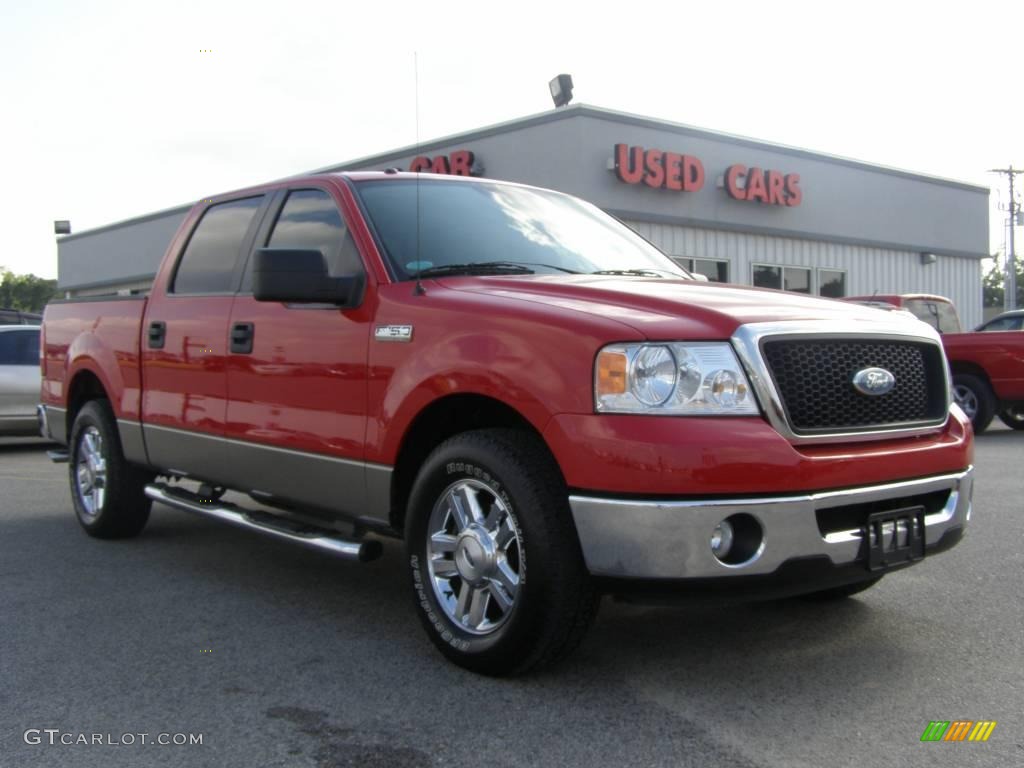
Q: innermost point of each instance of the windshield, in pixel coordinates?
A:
(469, 224)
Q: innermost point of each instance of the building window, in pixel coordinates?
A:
(715, 270)
(794, 279)
(831, 283)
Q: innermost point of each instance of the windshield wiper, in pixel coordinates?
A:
(546, 266)
(634, 272)
(477, 268)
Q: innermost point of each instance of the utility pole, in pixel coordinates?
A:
(1010, 290)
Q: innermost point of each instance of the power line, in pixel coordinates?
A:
(1010, 293)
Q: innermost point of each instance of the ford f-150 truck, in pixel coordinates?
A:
(538, 401)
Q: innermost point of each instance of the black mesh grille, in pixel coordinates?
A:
(814, 377)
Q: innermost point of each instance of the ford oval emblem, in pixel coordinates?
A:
(874, 381)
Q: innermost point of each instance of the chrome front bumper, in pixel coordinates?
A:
(671, 539)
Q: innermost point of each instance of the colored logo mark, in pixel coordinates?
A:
(958, 730)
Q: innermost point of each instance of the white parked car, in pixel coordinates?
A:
(19, 379)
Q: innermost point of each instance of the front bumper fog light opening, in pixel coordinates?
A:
(738, 540)
(721, 539)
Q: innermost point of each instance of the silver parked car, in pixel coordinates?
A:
(19, 379)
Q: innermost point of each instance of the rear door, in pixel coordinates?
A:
(296, 413)
(185, 341)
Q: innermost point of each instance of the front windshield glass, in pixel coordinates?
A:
(474, 223)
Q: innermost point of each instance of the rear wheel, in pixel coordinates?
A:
(1013, 417)
(498, 575)
(108, 493)
(973, 395)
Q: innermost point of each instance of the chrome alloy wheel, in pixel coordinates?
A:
(966, 399)
(91, 471)
(474, 553)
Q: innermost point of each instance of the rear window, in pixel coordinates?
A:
(940, 315)
(19, 347)
(208, 264)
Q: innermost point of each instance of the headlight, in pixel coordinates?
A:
(678, 378)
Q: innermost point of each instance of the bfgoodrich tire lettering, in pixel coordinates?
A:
(107, 492)
(497, 573)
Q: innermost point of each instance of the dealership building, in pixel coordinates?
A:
(731, 208)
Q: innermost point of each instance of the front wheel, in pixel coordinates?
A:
(1013, 417)
(108, 493)
(973, 395)
(497, 572)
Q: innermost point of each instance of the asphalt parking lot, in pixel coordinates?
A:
(281, 657)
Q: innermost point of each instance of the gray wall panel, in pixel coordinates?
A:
(842, 200)
(110, 254)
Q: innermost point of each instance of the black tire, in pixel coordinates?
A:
(1013, 417)
(108, 496)
(843, 592)
(522, 497)
(976, 399)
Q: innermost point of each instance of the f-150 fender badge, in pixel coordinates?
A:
(393, 333)
(874, 381)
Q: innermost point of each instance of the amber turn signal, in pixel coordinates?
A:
(611, 373)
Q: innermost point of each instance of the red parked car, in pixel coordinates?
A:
(540, 403)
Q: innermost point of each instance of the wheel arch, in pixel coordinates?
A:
(85, 386)
(964, 367)
(441, 419)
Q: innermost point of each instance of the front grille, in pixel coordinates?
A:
(814, 378)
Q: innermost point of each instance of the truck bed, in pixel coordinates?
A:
(102, 336)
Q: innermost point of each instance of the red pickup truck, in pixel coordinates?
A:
(539, 402)
(988, 373)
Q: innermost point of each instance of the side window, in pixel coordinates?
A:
(310, 219)
(19, 348)
(212, 252)
(1005, 324)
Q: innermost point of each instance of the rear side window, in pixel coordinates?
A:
(19, 347)
(208, 263)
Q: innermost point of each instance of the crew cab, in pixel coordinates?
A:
(541, 404)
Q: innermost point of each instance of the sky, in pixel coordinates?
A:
(117, 109)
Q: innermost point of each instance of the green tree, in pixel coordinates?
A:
(27, 293)
(992, 283)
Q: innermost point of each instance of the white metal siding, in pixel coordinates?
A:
(868, 270)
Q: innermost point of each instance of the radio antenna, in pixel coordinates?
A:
(418, 290)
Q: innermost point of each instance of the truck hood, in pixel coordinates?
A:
(667, 309)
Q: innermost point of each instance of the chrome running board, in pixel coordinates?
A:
(321, 539)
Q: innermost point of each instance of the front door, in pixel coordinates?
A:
(296, 414)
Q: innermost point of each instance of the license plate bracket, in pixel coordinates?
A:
(894, 537)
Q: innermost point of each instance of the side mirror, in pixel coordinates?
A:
(300, 276)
